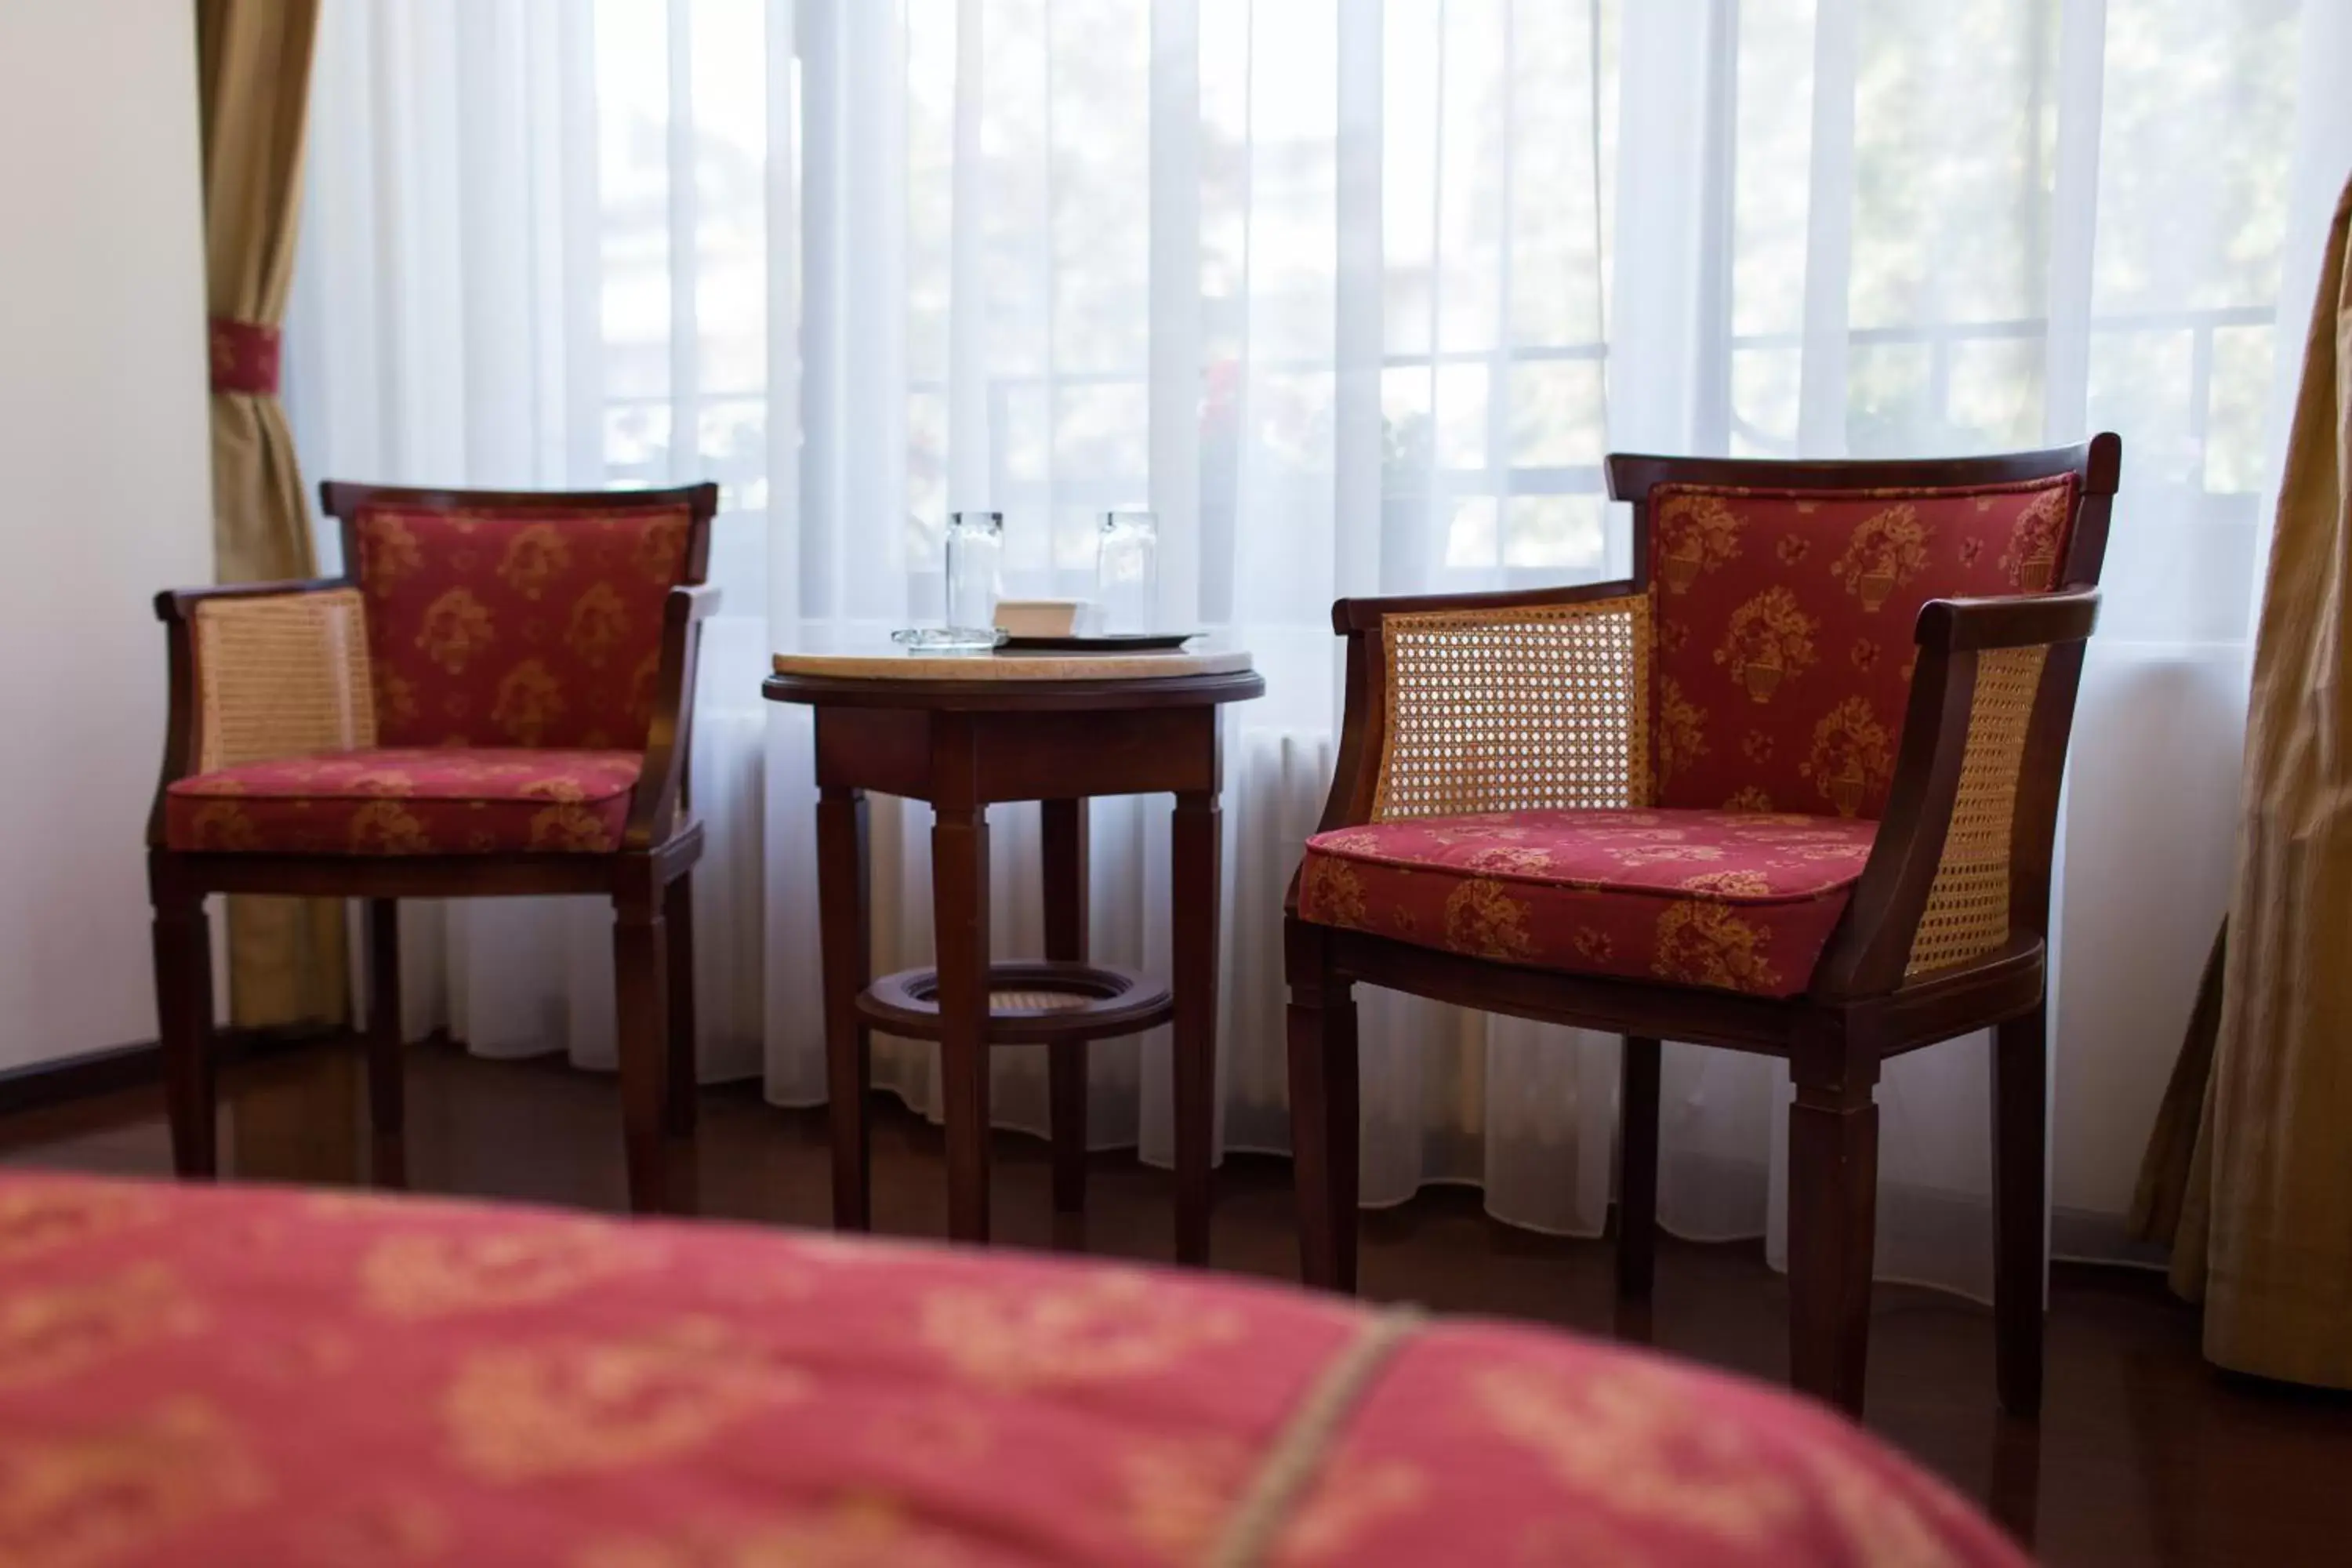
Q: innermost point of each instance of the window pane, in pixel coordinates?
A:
(2234, 409)
(1561, 532)
(732, 442)
(1994, 400)
(1558, 415)
(1470, 533)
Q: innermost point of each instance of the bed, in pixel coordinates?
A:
(254, 1376)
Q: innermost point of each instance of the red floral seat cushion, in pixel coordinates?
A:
(408, 800)
(1735, 900)
(1784, 624)
(534, 627)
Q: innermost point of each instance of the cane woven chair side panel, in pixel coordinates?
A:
(1966, 913)
(1515, 708)
(282, 676)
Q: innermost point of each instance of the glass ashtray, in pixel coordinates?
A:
(948, 639)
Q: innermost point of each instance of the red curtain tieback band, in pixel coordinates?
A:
(244, 357)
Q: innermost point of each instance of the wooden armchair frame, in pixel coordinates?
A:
(648, 877)
(1862, 1006)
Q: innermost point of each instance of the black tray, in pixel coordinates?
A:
(1118, 642)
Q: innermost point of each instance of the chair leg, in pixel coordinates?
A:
(387, 1109)
(1832, 1221)
(685, 1070)
(2021, 1248)
(1637, 1170)
(1323, 1108)
(184, 1015)
(1065, 844)
(640, 954)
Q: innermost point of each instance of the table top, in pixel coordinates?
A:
(866, 673)
(886, 663)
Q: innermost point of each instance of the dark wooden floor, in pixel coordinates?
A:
(2144, 1454)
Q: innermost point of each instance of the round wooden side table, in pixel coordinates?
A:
(965, 732)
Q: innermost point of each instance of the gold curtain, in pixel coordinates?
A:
(287, 958)
(2264, 1231)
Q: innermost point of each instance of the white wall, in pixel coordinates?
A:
(105, 492)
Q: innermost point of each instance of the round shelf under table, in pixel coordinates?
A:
(1029, 1003)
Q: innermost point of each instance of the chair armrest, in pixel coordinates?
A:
(1351, 615)
(2024, 620)
(178, 603)
(662, 782)
(1961, 867)
(1487, 701)
(260, 669)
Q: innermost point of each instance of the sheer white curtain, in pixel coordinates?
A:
(1355, 293)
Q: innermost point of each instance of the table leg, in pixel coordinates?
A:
(841, 885)
(1064, 823)
(1195, 868)
(960, 924)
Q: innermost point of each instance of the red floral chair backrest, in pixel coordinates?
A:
(532, 627)
(1783, 628)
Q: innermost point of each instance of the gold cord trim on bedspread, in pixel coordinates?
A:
(1298, 1454)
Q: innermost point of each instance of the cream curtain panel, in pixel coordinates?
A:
(253, 61)
(2265, 1230)
(1356, 294)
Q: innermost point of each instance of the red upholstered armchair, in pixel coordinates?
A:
(1791, 789)
(494, 701)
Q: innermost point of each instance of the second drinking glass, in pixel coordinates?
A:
(1127, 572)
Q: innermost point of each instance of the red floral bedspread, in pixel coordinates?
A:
(253, 1377)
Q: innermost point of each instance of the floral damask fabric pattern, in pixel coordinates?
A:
(1784, 623)
(414, 800)
(1736, 901)
(201, 1376)
(536, 627)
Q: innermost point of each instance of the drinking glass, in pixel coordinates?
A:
(1127, 572)
(974, 575)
